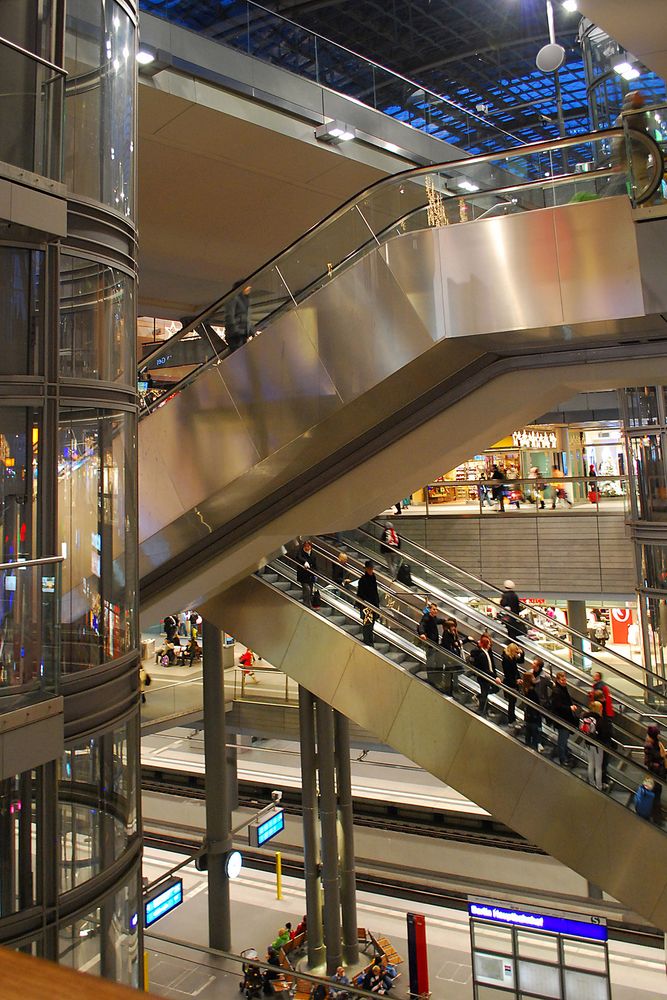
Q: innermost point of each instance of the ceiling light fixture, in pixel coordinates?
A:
(465, 185)
(335, 132)
(146, 56)
(570, 6)
(626, 70)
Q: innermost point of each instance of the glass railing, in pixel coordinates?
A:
(31, 109)
(273, 38)
(541, 495)
(637, 691)
(537, 176)
(167, 699)
(616, 767)
(30, 627)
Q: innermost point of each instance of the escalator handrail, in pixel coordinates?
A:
(529, 149)
(604, 667)
(632, 707)
(291, 563)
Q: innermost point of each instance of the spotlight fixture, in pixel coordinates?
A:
(465, 185)
(627, 70)
(570, 6)
(145, 56)
(335, 132)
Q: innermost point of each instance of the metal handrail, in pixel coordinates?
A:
(390, 616)
(627, 702)
(32, 55)
(533, 608)
(409, 174)
(22, 563)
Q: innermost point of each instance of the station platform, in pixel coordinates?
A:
(175, 971)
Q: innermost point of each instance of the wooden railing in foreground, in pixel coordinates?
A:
(34, 979)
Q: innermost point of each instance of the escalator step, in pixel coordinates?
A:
(338, 620)
(397, 656)
(283, 585)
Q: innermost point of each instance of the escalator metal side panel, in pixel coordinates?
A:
(497, 279)
(482, 409)
(586, 830)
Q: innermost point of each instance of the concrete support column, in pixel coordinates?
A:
(324, 716)
(218, 825)
(311, 851)
(348, 884)
(576, 617)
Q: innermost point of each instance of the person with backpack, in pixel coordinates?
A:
(391, 546)
(589, 726)
(531, 713)
(368, 599)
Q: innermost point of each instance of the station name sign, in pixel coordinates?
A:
(592, 928)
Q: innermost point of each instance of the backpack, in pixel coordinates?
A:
(404, 575)
(644, 799)
(588, 725)
(164, 660)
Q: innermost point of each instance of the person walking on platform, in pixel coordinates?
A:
(512, 656)
(238, 328)
(368, 599)
(483, 660)
(391, 547)
(306, 570)
(498, 490)
(428, 632)
(563, 707)
(559, 491)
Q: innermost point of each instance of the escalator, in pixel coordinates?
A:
(389, 691)
(638, 695)
(394, 324)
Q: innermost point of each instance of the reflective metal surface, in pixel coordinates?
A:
(334, 371)
(580, 826)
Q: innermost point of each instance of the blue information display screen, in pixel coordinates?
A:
(538, 921)
(163, 900)
(264, 830)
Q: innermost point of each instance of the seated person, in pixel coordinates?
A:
(301, 926)
(272, 958)
(283, 938)
(318, 991)
(389, 972)
(340, 979)
(373, 981)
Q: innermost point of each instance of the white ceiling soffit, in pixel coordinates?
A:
(639, 25)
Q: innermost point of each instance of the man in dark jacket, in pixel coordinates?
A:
(305, 573)
(482, 659)
(428, 630)
(509, 602)
(563, 707)
(368, 598)
(498, 490)
(238, 328)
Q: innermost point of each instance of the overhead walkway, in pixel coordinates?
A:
(394, 340)
(386, 691)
